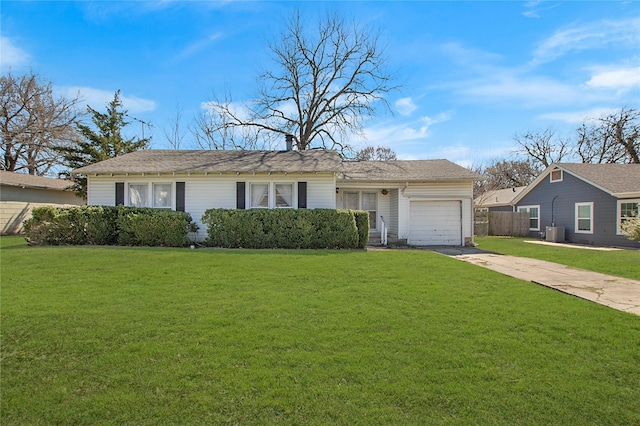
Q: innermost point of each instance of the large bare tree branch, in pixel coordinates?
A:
(34, 124)
(544, 147)
(613, 138)
(320, 88)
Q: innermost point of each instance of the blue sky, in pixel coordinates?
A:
(473, 74)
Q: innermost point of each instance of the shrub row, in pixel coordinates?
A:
(104, 225)
(286, 228)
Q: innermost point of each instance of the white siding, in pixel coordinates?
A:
(213, 191)
(321, 191)
(101, 191)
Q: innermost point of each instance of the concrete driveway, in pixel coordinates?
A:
(618, 293)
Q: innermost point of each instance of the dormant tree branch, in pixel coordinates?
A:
(320, 88)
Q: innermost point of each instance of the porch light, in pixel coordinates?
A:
(384, 192)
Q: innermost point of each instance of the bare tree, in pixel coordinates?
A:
(508, 174)
(321, 86)
(379, 153)
(544, 147)
(211, 130)
(503, 174)
(34, 124)
(174, 132)
(613, 138)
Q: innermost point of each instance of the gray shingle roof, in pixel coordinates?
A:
(29, 181)
(498, 197)
(184, 161)
(181, 161)
(614, 178)
(414, 170)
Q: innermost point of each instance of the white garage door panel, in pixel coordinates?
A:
(435, 223)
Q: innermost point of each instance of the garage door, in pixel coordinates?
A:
(435, 223)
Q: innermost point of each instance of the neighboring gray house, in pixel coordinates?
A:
(20, 193)
(498, 200)
(425, 202)
(588, 200)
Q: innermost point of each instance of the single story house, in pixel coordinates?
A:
(589, 201)
(20, 193)
(423, 202)
(497, 200)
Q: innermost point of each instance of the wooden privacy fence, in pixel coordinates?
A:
(514, 224)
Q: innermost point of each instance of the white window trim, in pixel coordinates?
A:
(250, 195)
(128, 193)
(552, 180)
(293, 195)
(520, 208)
(578, 231)
(152, 197)
(360, 193)
(271, 203)
(619, 212)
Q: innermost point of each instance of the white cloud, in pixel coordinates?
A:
(589, 36)
(198, 46)
(405, 106)
(577, 117)
(621, 79)
(12, 56)
(393, 133)
(533, 9)
(530, 14)
(98, 99)
(529, 90)
(238, 109)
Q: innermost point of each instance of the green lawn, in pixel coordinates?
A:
(621, 263)
(144, 336)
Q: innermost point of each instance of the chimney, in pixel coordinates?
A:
(289, 139)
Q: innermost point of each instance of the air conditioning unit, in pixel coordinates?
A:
(555, 234)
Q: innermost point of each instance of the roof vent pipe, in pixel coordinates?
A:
(289, 139)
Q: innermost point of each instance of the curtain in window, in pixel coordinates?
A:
(350, 200)
(284, 195)
(162, 195)
(260, 195)
(138, 195)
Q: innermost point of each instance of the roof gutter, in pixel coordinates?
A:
(635, 194)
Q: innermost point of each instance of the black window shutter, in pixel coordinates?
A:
(119, 193)
(180, 196)
(240, 195)
(302, 195)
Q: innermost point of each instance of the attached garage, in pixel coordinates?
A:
(434, 223)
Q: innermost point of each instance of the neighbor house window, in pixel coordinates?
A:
(626, 210)
(260, 195)
(162, 195)
(584, 218)
(534, 216)
(138, 195)
(284, 194)
(556, 176)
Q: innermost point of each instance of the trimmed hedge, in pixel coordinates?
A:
(286, 228)
(105, 225)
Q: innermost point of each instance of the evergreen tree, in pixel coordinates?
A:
(102, 141)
